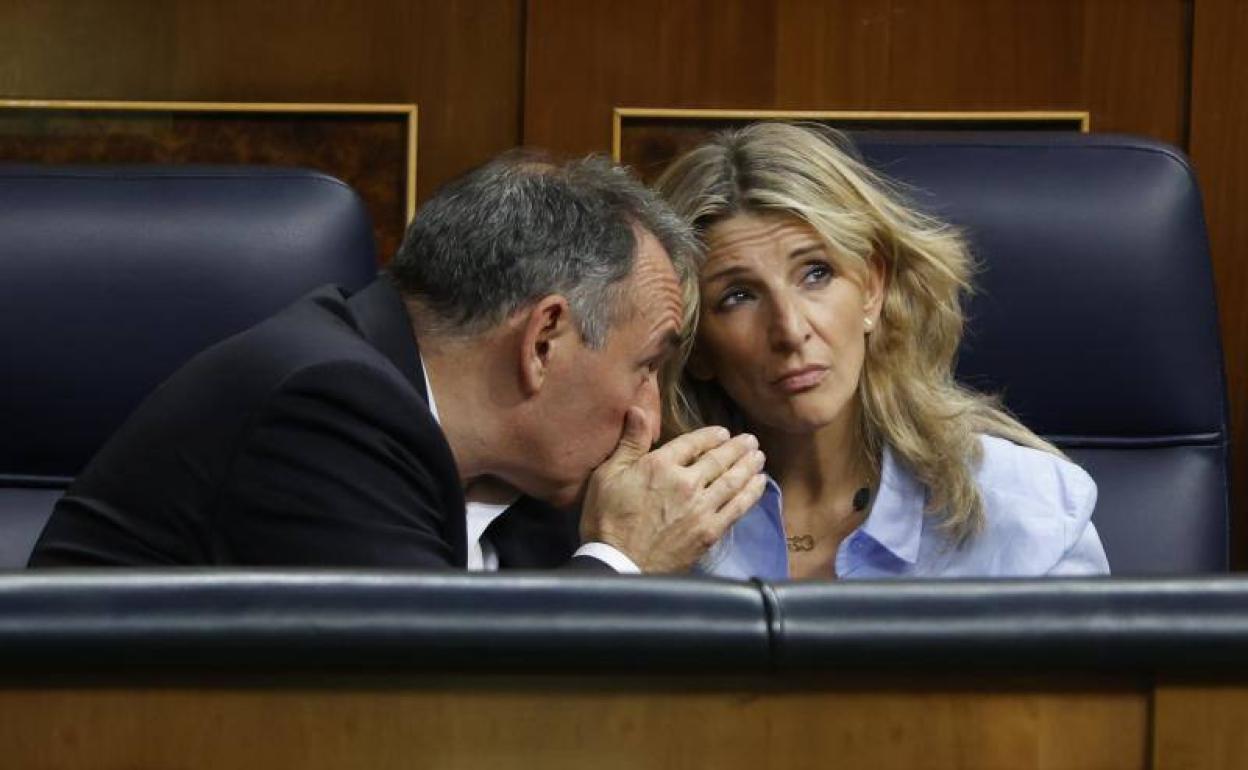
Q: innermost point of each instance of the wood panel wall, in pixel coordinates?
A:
(1219, 149)
(1125, 60)
(459, 61)
(490, 74)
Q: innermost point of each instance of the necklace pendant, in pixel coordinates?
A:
(801, 543)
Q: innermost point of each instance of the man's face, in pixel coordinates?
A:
(589, 391)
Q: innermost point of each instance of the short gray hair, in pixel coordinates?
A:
(522, 227)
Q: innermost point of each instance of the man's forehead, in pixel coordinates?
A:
(656, 288)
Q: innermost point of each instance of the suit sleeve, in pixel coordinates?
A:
(342, 466)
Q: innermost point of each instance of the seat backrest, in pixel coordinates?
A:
(112, 277)
(1095, 320)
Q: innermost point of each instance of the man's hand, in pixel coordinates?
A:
(664, 509)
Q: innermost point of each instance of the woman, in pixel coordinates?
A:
(830, 314)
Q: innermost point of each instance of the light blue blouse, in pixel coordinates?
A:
(1038, 522)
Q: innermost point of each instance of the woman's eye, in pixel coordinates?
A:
(732, 298)
(816, 274)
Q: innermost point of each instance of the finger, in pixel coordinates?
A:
(743, 501)
(713, 526)
(717, 461)
(634, 440)
(733, 480)
(683, 450)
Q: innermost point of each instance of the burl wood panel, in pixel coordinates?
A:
(649, 143)
(552, 724)
(1124, 60)
(368, 152)
(1220, 153)
(459, 61)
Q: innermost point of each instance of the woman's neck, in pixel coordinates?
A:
(816, 467)
(819, 474)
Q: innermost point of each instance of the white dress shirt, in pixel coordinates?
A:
(482, 556)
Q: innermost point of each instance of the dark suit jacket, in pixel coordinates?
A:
(306, 440)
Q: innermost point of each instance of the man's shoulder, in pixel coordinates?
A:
(299, 399)
(317, 339)
(314, 331)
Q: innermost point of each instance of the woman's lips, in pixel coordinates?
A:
(800, 380)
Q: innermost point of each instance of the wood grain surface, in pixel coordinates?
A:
(1124, 60)
(553, 724)
(1200, 725)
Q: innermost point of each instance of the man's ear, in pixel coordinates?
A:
(547, 331)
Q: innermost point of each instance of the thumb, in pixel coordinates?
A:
(635, 440)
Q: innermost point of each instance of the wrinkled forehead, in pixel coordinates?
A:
(774, 233)
(655, 285)
(757, 229)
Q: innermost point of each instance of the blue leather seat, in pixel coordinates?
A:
(1095, 317)
(1095, 320)
(111, 278)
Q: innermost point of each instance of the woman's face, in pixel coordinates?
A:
(783, 330)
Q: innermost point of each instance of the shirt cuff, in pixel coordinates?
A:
(612, 556)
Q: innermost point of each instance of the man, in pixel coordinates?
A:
(513, 349)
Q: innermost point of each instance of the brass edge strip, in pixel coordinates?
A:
(76, 104)
(618, 114)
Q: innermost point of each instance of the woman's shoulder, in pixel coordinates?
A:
(1022, 474)
(1038, 506)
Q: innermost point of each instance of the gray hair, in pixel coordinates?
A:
(520, 228)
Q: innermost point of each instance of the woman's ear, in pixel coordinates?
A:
(546, 333)
(874, 286)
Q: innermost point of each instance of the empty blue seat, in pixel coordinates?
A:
(112, 277)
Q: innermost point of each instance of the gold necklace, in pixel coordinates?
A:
(800, 543)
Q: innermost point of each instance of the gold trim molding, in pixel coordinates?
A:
(619, 114)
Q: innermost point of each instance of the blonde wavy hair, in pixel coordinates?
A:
(907, 396)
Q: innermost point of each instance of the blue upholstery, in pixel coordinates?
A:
(1095, 320)
(111, 278)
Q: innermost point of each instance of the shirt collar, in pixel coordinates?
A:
(896, 517)
(433, 406)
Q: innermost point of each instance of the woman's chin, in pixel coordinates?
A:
(802, 421)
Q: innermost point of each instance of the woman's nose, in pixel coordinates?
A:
(788, 328)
